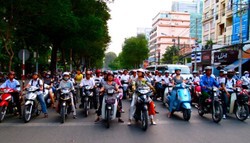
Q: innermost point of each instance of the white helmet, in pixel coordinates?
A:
(140, 70)
(66, 73)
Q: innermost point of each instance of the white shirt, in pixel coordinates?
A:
(89, 82)
(167, 80)
(196, 79)
(158, 78)
(245, 80)
(221, 80)
(133, 78)
(230, 83)
(125, 77)
(38, 82)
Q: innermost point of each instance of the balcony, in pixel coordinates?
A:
(229, 30)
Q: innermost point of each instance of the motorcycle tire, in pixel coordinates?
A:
(217, 113)
(144, 120)
(27, 112)
(85, 109)
(3, 110)
(242, 112)
(200, 111)
(38, 110)
(108, 113)
(62, 113)
(187, 114)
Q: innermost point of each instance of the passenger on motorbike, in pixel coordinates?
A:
(87, 81)
(118, 82)
(14, 84)
(98, 79)
(207, 81)
(35, 81)
(177, 79)
(246, 80)
(158, 85)
(141, 81)
(67, 84)
(107, 85)
(166, 79)
(47, 81)
(236, 76)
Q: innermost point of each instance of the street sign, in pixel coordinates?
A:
(26, 54)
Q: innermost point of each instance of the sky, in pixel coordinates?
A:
(128, 15)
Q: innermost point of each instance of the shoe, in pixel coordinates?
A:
(45, 115)
(224, 116)
(120, 121)
(129, 123)
(153, 122)
(97, 119)
(123, 111)
(156, 112)
(74, 117)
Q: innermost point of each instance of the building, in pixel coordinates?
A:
(217, 21)
(195, 9)
(169, 29)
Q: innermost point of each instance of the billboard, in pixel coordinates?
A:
(227, 57)
(236, 21)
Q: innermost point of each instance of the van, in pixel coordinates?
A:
(185, 71)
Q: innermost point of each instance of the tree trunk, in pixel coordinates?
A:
(56, 46)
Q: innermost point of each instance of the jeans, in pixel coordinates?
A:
(40, 98)
(224, 100)
(172, 99)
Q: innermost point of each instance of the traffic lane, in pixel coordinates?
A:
(85, 130)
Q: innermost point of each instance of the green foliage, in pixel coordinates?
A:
(109, 57)
(171, 55)
(134, 51)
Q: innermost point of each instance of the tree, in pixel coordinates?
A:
(134, 51)
(109, 57)
(171, 55)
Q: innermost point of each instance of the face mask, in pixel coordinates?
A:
(65, 78)
(247, 75)
(230, 75)
(47, 76)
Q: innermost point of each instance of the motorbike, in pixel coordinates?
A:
(212, 105)
(125, 85)
(141, 112)
(87, 99)
(7, 104)
(182, 102)
(239, 103)
(65, 105)
(167, 92)
(109, 106)
(31, 105)
(196, 92)
(46, 95)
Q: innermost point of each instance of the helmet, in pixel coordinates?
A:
(208, 68)
(140, 70)
(195, 72)
(66, 74)
(35, 73)
(134, 71)
(160, 72)
(88, 72)
(115, 72)
(177, 69)
(110, 73)
(98, 71)
(49, 73)
(221, 71)
(246, 72)
(11, 73)
(230, 71)
(225, 72)
(166, 71)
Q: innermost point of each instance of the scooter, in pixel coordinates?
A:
(7, 104)
(239, 104)
(65, 105)
(46, 95)
(125, 84)
(31, 105)
(182, 102)
(87, 99)
(196, 92)
(109, 106)
(141, 112)
(167, 92)
(212, 105)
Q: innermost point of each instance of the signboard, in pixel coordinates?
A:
(206, 57)
(23, 53)
(236, 22)
(225, 56)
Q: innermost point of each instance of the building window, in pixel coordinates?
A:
(212, 36)
(206, 27)
(207, 3)
(205, 37)
(212, 24)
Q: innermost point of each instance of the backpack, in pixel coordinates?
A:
(38, 83)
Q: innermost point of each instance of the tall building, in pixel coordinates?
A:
(217, 21)
(169, 29)
(194, 8)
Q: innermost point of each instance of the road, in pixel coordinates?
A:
(84, 130)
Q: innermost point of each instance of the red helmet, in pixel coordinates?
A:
(98, 71)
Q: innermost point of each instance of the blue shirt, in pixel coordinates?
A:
(208, 82)
(11, 84)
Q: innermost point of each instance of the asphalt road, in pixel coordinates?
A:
(84, 130)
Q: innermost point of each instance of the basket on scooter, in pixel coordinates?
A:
(110, 100)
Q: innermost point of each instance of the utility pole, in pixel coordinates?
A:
(196, 44)
(240, 38)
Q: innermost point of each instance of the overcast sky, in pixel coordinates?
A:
(128, 15)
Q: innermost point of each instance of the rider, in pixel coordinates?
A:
(246, 80)
(66, 83)
(158, 84)
(14, 84)
(118, 82)
(48, 81)
(35, 81)
(207, 81)
(141, 81)
(166, 78)
(98, 79)
(87, 81)
(177, 79)
(109, 83)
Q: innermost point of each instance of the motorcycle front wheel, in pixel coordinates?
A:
(144, 120)
(63, 110)
(242, 112)
(187, 114)
(85, 108)
(217, 112)
(108, 112)
(2, 112)
(27, 112)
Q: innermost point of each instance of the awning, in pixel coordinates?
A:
(235, 64)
